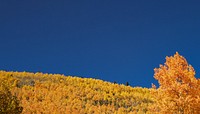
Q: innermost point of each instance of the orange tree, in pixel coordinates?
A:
(179, 90)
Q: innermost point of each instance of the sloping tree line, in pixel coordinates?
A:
(178, 93)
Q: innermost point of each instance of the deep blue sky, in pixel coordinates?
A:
(112, 40)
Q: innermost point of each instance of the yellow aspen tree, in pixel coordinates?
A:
(179, 90)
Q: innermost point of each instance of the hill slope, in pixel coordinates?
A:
(55, 93)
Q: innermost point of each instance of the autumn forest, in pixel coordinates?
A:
(39, 93)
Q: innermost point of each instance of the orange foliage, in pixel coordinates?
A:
(179, 90)
(59, 94)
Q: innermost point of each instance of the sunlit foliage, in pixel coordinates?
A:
(38, 93)
(179, 90)
(59, 94)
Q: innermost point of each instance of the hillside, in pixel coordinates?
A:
(38, 93)
(58, 94)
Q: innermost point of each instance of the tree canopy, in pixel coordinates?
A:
(179, 90)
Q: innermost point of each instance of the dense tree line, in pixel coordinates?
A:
(29, 93)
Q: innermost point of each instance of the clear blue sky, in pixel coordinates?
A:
(112, 40)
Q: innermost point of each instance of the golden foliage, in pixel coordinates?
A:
(38, 93)
(179, 90)
(9, 103)
(59, 94)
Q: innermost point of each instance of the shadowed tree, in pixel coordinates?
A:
(9, 104)
(127, 84)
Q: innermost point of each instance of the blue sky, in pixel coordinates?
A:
(112, 40)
